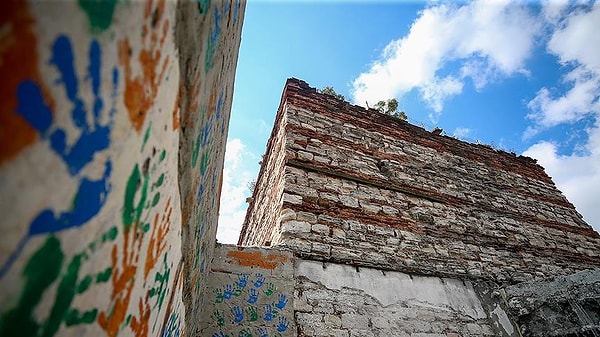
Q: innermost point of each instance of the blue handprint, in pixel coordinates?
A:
(219, 334)
(242, 280)
(239, 314)
(269, 313)
(228, 291)
(282, 301)
(92, 138)
(283, 324)
(262, 332)
(259, 280)
(253, 296)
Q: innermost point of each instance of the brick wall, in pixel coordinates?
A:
(367, 189)
(263, 223)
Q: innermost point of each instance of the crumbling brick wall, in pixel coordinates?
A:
(366, 189)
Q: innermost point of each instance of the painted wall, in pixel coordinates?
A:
(107, 110)
(251, 293)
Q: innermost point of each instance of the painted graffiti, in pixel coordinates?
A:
(141, 90)
(18, 46)
(100, 260)
(41, 271)
(250, 306)
(100, 13)
(93, 137)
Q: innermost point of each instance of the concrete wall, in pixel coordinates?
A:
(270, 292)
(367, 189)
(250, 293)
(113, 124)
(342, 300)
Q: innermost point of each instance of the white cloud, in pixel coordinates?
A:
(579, 40)
(553, 10)
(232, 209)
(490, 38)
(577, 44)
(461, 132)
(580, 100)
(577, 176)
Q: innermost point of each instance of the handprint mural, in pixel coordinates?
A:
(91, 136)
(263, 307)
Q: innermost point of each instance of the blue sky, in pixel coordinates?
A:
(521, 76)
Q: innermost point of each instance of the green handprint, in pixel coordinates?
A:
(270, 289)
(218, 316)
(252, 314)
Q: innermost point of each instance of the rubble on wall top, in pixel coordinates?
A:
(301, 94)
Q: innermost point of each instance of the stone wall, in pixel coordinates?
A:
(564, 306)
(108, 110)
(263, 222)
(269, 292)
(250, 293)
(367, 189)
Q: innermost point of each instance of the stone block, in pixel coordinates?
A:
(320, 229)
(332, 321)
(354, 322)
(294, 227)
(292, 199)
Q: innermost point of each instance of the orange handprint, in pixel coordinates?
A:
(158, 244)
(140, 326)
(124, 270)
(141, 90)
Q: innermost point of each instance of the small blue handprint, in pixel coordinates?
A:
(260, 279)
(269, 313)
(262, 332)
(253, 296)
(283, 324)
(228, 291)
(238, 314)
(242, 280)
(282, 301)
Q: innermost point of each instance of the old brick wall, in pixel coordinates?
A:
(263, 222)
(113, 123)
(367, 189)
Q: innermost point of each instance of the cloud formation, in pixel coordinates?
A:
(577, 176)
(490, 39)
(234, 191)
(577, 44)
(448, 44)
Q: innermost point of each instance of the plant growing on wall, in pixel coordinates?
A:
(331, 92)
(390, 107)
